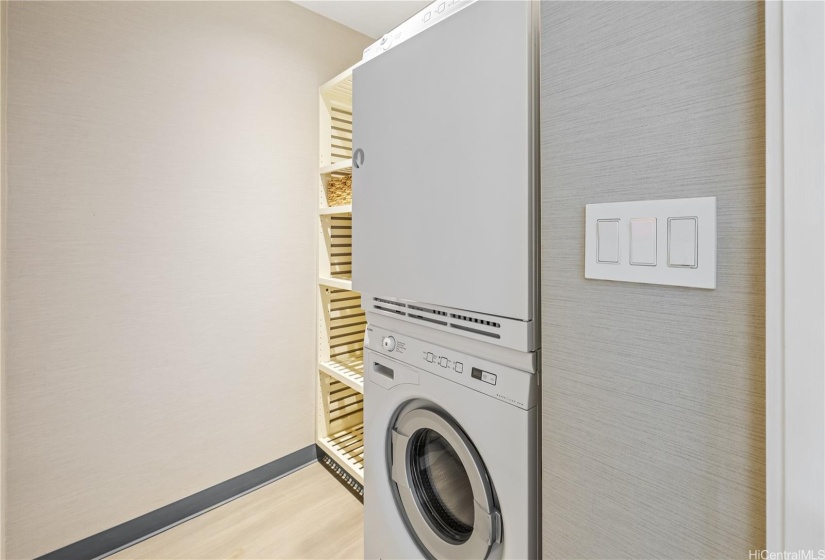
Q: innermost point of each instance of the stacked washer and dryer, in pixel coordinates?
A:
(445, 245)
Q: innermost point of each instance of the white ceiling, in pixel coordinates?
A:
(371, 17)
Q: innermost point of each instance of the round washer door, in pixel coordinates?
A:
(443, 489)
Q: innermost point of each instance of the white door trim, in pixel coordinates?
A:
(3, 179)
(795, 277)
(774, 286)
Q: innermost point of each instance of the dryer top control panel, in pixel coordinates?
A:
(506, 384)
(430, 15)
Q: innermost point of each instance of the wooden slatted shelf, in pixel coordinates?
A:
(331, 210)
(340, 283)
(348, 371)
(343, 167)
(347, 447)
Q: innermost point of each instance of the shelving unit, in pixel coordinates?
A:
(343, 167)
(349, 371)
(341, 321)
(345, 209)
(341, 284)
(348, 447)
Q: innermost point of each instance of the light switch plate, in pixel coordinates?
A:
(607, 244)
(682, 240)
(643, 241)
(699, 274)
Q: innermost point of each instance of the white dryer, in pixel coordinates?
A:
(445, 172)
(452, 464)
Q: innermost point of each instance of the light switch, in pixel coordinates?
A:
(608, 231)
(643, 241)
(652, 241)
(682, 242)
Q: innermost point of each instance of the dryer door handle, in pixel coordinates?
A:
(496, 526)
(399, 458)
(488, 524)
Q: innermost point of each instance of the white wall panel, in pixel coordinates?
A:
(160, 252)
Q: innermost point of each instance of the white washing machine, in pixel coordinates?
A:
(451, 465)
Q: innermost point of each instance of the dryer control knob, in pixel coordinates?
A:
(388, 343)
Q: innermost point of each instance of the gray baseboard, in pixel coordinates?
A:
(119, 537)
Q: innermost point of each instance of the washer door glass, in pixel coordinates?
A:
(442, 486)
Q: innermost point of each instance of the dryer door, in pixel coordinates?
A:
(443, 488)
(444, 196)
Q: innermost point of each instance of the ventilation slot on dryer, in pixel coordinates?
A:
(475, 320)
(390, 302)
(428, 310)
(427, 319)
(476, 331)
(387, 303)
(420, 317)
(388, 310)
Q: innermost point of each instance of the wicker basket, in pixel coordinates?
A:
(339, 191)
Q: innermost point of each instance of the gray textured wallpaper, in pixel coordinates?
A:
(653, 419)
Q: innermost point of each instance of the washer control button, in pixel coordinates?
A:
(485, 376)
(443, 362)
(459, 367)
(388, 343)
(429, 357)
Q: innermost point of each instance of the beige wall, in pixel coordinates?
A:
(160, 297)
(653, 396)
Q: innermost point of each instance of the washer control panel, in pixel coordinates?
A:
(485, 376)
(443, 361)
(510, 385)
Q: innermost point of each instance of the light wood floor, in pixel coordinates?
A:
(307, 514)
